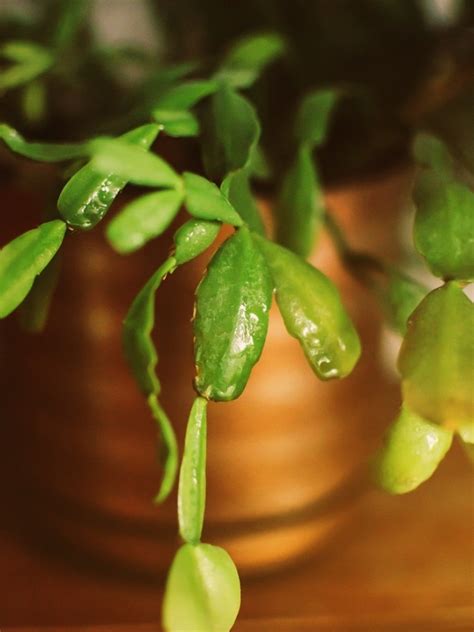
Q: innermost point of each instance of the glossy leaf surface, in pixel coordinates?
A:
(23, 259)
(231, 322)
(88, 195)
(192, 476)
(133, 163)
(300, 207)
(313, 312)
(412, 451)
(436, 358)
(202, 591)
(193, 238)
(204, 200)
(143, 219)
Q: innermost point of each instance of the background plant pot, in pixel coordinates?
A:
(285, 461)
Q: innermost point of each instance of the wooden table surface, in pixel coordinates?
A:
(405, 563)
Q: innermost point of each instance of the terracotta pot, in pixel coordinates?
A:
(285, 461)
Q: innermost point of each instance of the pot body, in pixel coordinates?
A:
(285, 461)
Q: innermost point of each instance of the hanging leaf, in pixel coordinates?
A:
(23, 259)
(232, 305)
(249, 57)
(143, 219)
(168, 455)
(231, 132)
(436, 358)
(204, 200)
(412, 451)
(192, 476)
(443, 226)
(178, 123)
(35, 308)
(313, 117)
(143, 358)
(88, 195)
(44, 152)
(131, 162)
(301, 206)
(193, 238)
(202, 591)
(312, 312)
(137, 327)
(186, 95)
(236, 188)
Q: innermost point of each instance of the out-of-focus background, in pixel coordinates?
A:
(288, 490)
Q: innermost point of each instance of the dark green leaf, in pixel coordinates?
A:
(248, 58)
(177, 123)
(204, 200)
(412, 451)
(45, 152)
(168, 449)
(301, 206)
(131, 162)
(137, 327)
(23, 259)
(431, 152)
(192, 476)
(202, 591)
(436, 358)
(402, 296)
(142, 358)
(88, 195)
(313, 117)
(186, 95)
(236, 188)
(143, 219)
(444, 226)
(232, 132)
(71, 17)
(193, 238)
(35, 308)
(312, 312)
(232, 305)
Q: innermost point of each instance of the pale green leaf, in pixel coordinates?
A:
(202, 591)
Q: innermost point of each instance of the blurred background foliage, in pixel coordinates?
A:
(398, 65)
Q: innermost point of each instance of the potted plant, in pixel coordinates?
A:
(115, 146)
